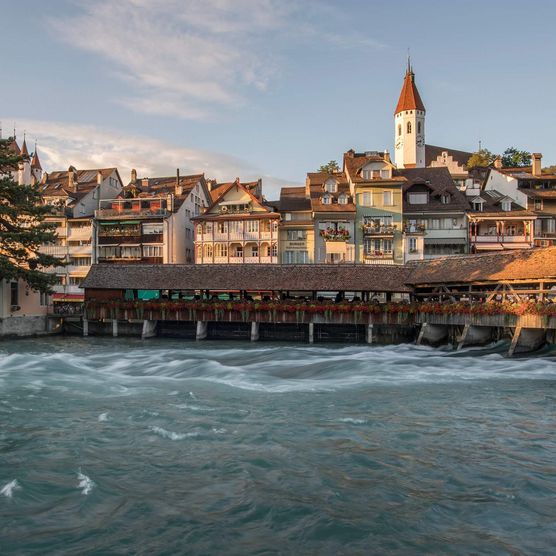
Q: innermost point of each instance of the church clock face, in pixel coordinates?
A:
(399, 143)
(420, 141)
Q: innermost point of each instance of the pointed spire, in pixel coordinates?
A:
(24, 150)
(409, 96)
(35, 162)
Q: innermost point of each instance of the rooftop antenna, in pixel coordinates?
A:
(14, 133)
(480, 144)
(409, 70)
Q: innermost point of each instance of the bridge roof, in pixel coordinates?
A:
(251, 277)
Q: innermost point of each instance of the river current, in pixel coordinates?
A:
(117, 446)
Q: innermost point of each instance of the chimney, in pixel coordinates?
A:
(387, 156)
(179, 188)
(536, 168)
(99, 177)
(72, 179)
(307, 188)
(145, 184)
(498, 162)
(133, 176)
(210, 184)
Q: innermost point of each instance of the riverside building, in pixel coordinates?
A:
(151, 221)
(238, 227)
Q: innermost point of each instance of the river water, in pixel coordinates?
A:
(175, 447)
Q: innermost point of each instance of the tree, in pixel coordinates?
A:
(514, 158)
(330, 168)
(22, 227)
(483, 157)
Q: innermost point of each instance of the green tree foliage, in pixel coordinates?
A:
(22, 227)
(330, 168)
(514, 158)
(483, 157)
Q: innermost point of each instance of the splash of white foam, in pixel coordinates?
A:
(192, 396)
(8, 488)
(103, 417)
(218, 431)
(352, 421)
(85, 483)
(171, 435)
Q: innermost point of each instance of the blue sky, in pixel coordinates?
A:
(270, 88)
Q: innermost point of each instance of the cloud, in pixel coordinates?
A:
(61, 145)
(179, 57)
(189, 58)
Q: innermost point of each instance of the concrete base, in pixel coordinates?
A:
(526, 340)
(432, 334)
(475, 336)
(24, 326)
(254, 331)
(202, 330)
(311, 332)
(115, 328)
(85, 327)
(149, 329)
(369, 333)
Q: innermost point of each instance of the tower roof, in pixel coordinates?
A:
(35, 162)
(409, 97)
(24, 150)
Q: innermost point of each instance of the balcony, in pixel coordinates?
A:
(120, 240)
(383, 231)
(80, 234)
(80, 249)
(131, 213)
(131, 260)
(499, 239)
(419, 229)
(54, 250)
(378, 257)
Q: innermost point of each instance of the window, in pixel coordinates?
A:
(538, 204)
(326, 200)
(255, 251)
(252, 225)
(208, 250)
(153, 228)
(434, 224)
(44, 299)
(418, 127)
(274, 250)
(288, 257)
(222, 227)
(385, 174)
(412, 244)
(418, 198)
(295, 257)
(14, 294)
(445, 198)
(478, 205)
(199, 229)
(399, 129)
(506, 205)
(343, 199)
(331, 186)
(387, 198)
(366, 199)
(296, 235)
(80, 261)
(287, 216)
(221, 250)
(152, 251)
(408, 127)
(387, 245)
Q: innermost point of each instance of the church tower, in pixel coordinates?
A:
(409, 125)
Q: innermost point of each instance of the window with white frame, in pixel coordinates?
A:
(222, 227)
(366, 199)
(418, 198)
(152, 251)
(412, 244)
(296, 235)
(506, 205)
(252, 226)
(331, 186)
(388, 198)
(343, 199)
(153, 228)
(220, 250)
(208, 250)
(274, 250)
(326, 200)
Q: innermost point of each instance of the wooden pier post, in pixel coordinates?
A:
(115, 328)
(369, 333)
(149, 329)
(311, 332)
(85, 327)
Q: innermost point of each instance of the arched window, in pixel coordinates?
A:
(418, 127)
(399, 129)
(408, 127)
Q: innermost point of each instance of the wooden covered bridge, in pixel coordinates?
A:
(465, 299)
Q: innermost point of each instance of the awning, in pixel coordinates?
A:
(107, 223)
(129, 222)
(445, 241)
(69, 297)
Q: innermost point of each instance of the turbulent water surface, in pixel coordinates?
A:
(172, 447)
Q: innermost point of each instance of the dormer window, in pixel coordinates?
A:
(506, 205)
(445, 198)
(418, 198)
(327, 199)
(331, 186)
(343, 199)
(478, 205)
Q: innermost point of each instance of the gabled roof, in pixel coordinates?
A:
(355, 162)
(35, 162)
(409, 96)
(432, 152)
(493, 205)
(316, 181)
(294, 199)
(56, 183)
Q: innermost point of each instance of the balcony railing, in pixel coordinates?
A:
(128, 213)
(500, 239)
(384, 230)
(54, 250)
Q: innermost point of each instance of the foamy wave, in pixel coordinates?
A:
(8, 488)
(171, 435)
(103, 417)
(85, 483)
(352, 421)
(218, 431)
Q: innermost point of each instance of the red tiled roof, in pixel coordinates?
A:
(409, 96)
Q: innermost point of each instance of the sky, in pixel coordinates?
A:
(269, 88)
